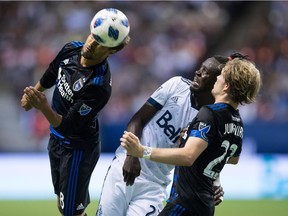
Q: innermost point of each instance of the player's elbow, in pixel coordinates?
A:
(187, 160)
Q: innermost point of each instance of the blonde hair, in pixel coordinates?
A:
(244, 80)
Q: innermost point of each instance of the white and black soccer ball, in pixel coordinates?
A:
(110, 27)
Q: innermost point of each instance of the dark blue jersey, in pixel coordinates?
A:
(80, 93)
(221, 126)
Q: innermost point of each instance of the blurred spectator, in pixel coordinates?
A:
(168, 38)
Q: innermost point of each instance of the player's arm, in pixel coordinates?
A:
(177, 156)
(131, 168)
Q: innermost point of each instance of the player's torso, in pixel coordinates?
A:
(73, 80)
(164, 129)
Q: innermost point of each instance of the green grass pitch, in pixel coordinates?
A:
(227, 208)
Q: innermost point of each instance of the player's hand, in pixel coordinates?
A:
(131, 169)
(36, 98)
(182, 136)
(132, 144)
(24, 103)
(218, 194)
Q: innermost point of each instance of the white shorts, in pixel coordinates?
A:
(142, 198)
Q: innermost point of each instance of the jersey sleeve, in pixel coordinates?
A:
(50, 76)
(163, 93)
(203, 125)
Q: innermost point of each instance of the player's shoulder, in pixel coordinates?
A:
(217, 106)
(72, 46)
(179, 80)
(70, 49)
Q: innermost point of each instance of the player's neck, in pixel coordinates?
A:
(88, 63)
(225, 99)
(198, 99)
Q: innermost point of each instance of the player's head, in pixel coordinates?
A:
(206, 76)
(92, 50)
(109, 33)
(240, 79)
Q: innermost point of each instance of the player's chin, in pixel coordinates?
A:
(194, 86)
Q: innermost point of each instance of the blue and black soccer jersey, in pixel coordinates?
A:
(80, 93)
(221, 126)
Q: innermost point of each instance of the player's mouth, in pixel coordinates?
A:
(195, 83)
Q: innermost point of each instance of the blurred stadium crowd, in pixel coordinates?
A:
(168, 39)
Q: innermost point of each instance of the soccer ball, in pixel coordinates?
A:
(110, 27)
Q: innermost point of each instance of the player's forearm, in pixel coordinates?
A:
(175, 156)
(39, 87)
(53, 117)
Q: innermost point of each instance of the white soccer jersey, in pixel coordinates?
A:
(175, 112)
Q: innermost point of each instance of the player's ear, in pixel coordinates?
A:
(226, 87)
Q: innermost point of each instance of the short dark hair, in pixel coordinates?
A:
(224, 59)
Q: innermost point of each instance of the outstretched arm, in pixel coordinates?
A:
(177, 156)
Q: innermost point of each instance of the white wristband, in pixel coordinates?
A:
(147, 152)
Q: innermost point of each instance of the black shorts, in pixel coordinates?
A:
(176, 210)
(71, 170)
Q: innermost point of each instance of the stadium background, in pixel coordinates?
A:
(168, 38)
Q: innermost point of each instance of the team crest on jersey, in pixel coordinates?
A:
(204, 129)
(84, 110)
(78, 84)
(66, 61)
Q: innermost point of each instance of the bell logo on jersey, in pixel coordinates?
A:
(169, 130)
(84, 110)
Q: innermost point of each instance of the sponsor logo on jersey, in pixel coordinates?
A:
(80, 206)
(168, 129)
(78, 84)
(235, 129)
(64, 87)
(84, 110)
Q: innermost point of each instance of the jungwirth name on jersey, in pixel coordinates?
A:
(63, 86)
(232, 128)
(169, 129)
